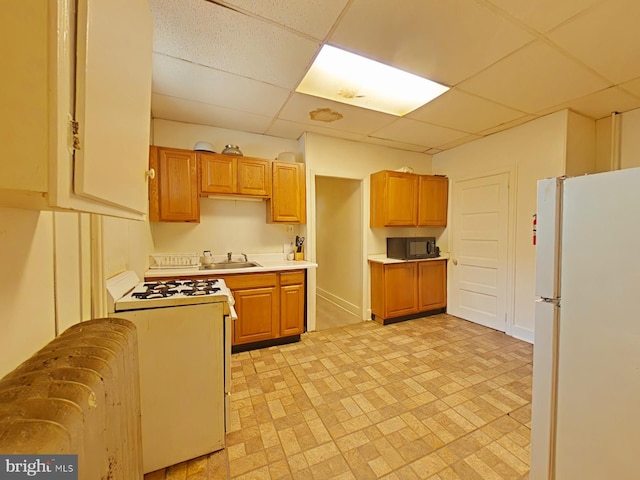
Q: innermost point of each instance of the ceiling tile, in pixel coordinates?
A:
(534, 78)
(605, 38)
(288, 129)
(354, 119)
(170, 108)
(208, 34)
(311, 17)
(446, 41)
(460, 141)
(190, 81)
(632, 86)
(394, 144)
(463, 111)
(601, 104)
(543, 15)
(410, 131)
(506, 126)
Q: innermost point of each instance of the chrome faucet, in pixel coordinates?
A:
(245, 257)
(228, 256)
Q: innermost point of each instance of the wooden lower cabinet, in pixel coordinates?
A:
(432, 285)
(269, 305)
(407, 288)
(292, 302)
(257, 310)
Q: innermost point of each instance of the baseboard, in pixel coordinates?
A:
(349, 307)
(522, 334)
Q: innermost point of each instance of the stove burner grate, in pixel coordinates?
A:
(192, 292)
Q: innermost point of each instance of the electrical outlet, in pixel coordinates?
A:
(289, 228)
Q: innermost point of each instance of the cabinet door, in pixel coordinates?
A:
(432, 285)
(393, 199)
(400, 289)
(292, 302)
(113, 99)
(433, 194)
(257, 310)
(177, 186)
(218, 173)
(254, 177)
(288, 198)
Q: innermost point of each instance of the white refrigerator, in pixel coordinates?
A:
(586, 358)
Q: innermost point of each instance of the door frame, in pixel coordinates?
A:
(512, 184)
(312, 245)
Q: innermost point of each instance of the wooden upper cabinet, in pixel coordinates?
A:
(433, 195)
(408, 200)
(229, 175)
(393, 199)
(173, 194)
(254, 177)
(218, 173)
(288, 197)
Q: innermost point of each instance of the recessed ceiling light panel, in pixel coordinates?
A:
(349, 78)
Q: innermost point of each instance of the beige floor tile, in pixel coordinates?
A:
(434, 398)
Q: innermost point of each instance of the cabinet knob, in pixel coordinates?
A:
(455, 262)
(151, 173)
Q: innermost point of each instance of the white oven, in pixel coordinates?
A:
(184, 350)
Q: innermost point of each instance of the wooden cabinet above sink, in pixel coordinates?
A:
(232, 175)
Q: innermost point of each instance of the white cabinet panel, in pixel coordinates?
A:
(39, 103)
(113, 101)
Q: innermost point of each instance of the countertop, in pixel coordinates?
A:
(269, 262)
(382, 258)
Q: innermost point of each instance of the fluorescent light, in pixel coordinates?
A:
(349, 78)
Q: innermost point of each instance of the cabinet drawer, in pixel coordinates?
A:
(241, 281)
(292, 278)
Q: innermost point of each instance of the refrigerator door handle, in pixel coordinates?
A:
(555, 301)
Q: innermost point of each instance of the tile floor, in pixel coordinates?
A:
(431, 398)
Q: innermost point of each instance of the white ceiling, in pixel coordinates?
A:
(235, 64)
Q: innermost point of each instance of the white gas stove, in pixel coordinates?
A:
(126, 292)
(184, 351)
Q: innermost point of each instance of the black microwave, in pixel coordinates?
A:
(411, 248)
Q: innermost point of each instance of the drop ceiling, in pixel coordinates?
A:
(235, 64)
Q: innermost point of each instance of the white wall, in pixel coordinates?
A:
(126, 246)
(339, 241)
(532, 151)
(629, 146)
(26, 285)
(630, 140)
(331, 157)
(45, 282)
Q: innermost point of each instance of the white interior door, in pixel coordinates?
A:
(478, 272)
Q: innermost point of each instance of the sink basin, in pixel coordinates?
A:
(228, 265)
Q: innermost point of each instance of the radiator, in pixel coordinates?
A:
(80, 395)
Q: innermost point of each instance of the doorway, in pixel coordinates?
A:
(338, 251)
(479, 261)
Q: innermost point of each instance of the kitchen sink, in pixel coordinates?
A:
(228, 265)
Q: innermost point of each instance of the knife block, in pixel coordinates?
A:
(299, 255)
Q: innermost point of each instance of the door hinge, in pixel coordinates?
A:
(75, 129)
